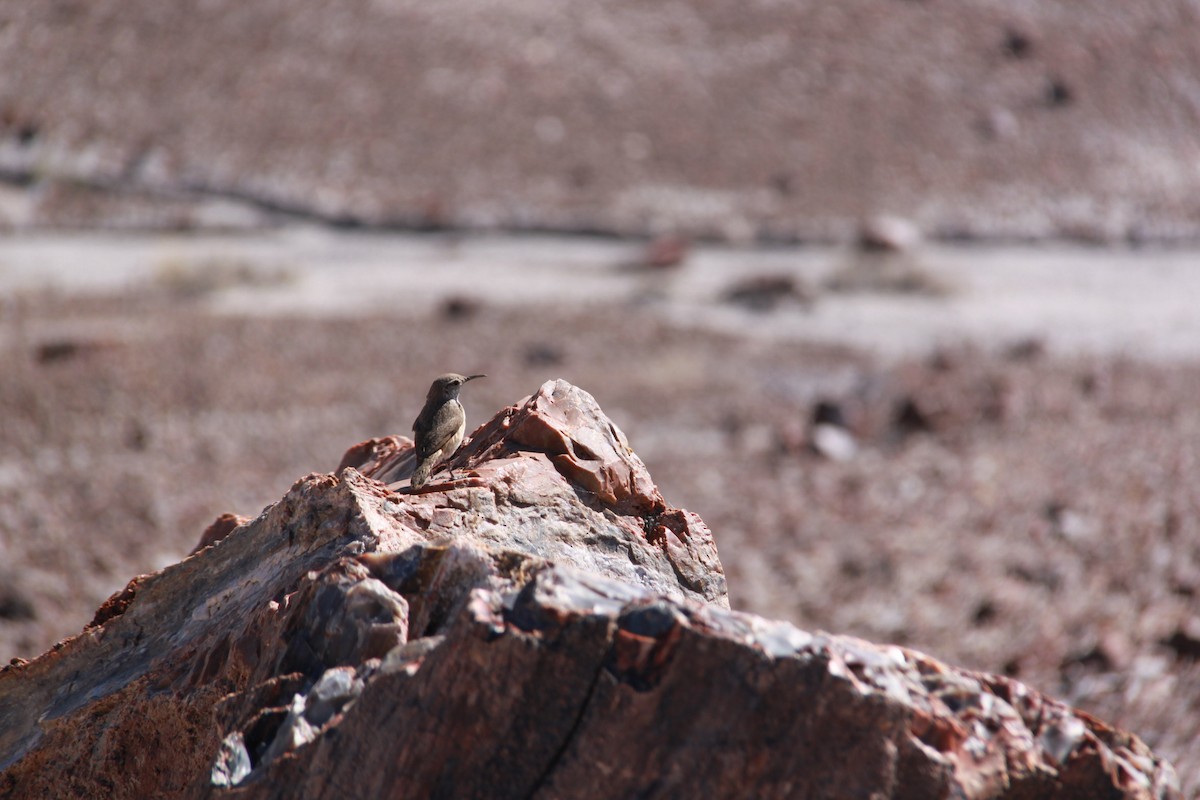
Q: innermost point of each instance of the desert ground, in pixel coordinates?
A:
(1012, 483)
(236, 239)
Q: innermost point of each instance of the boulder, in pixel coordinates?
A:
(536, 621)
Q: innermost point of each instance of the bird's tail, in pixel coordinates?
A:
(421, 474)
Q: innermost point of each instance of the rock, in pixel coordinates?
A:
(829, 412)
(1068, 523)
(58, 350)
(767, 292)
(1058, 93)
(1000, 124)
(1018, 43)
(459, 307)
(15, 602)
(909, 417)
(1031, 348)
(1185, 641)
(833, 442)
(543, 354)
(888, 234)
(221, 527)
(666, 252)
(661, 255)
(829, 432)
(543, 625)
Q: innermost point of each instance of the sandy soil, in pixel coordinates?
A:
(1022, 496)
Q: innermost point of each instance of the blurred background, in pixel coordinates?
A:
(899, 295)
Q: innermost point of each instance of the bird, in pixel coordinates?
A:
(438, 430)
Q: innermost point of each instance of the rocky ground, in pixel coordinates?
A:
(1025, 504)
(775, 120)
(1004, 506)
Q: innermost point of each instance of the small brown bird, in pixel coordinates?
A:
(439, 428)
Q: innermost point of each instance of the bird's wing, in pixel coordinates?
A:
(423, 421)
(440, 431)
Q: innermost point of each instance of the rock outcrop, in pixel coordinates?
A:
(537, 623)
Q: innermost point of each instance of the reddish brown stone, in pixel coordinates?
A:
(221, 527)
(513, 633)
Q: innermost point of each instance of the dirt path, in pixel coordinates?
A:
(1136, 302)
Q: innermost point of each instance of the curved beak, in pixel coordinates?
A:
(473, 377)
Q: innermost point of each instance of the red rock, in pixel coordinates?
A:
(545, 625)
(221, 527)
(665, 252)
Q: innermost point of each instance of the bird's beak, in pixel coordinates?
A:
(473, 377)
